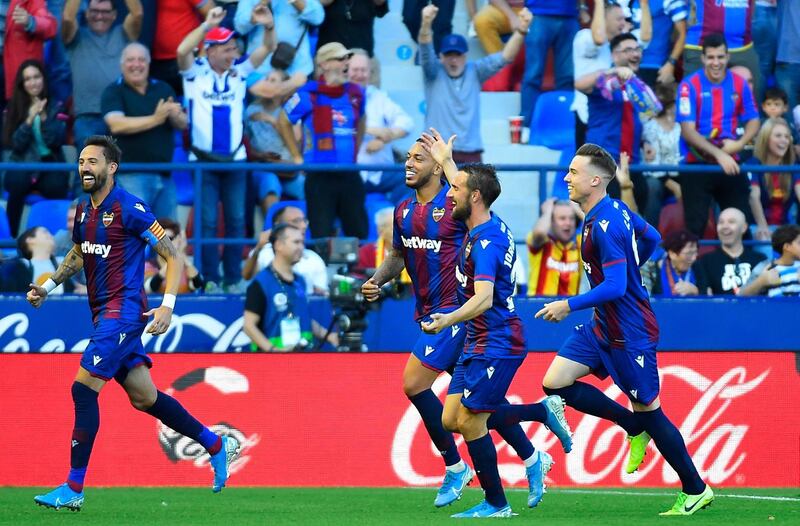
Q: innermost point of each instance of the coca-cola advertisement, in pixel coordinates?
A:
(342, 420)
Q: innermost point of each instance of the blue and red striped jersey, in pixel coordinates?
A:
(609, 238)
(614, 124)
(732, 18)
(112, 238)
(716, 109)
(429, 238)
(488, 254)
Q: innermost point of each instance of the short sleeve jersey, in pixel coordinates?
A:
(428, 237)
(112, 238)
(488, 254)
(609, 238)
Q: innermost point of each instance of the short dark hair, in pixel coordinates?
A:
(483, 177)
(279, 232)
(774, 93)
(277, 217)
(784, 234)
(599, 158)
(111, 151)
(676, 240)
(714, 40)
(619, 39)
(23, 249)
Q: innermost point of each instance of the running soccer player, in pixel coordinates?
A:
(621, 338)
(111, 230)
(426, 242)
(495, 346)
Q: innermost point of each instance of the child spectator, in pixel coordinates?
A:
(776, 105)
(778, 277)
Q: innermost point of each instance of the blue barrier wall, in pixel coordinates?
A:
(213, 324)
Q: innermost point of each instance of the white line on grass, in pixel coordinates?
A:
(664, 494)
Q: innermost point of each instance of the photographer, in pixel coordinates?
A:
(276, 312)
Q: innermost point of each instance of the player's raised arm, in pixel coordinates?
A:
(71, 265)
(442, 152)
(162, 315)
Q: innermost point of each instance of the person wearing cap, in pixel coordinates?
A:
(94, 52)
(453, 84)
(215, 90)
(332, 111)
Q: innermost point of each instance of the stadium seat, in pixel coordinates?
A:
(552, 124)
(184, 185)
(499, 104)
(5, 229)
(51, 214)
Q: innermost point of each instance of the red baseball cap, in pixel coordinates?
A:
(218, 35)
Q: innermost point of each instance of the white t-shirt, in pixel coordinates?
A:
(310, 267)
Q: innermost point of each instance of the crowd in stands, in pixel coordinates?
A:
(680, 83)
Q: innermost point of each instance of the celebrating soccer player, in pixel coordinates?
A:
(495, 346)
(112, 229)
(621, 338)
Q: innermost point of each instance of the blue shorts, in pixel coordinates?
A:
(440, 352)
(115, 349)
(634, 369)
(483, 381)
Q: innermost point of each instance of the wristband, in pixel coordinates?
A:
(169, 301)
(49, 285)
(672, 61)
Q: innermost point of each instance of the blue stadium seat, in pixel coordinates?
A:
(51, 214)
(184, 185)
(552, 124)
(5, 229)
(374, 203)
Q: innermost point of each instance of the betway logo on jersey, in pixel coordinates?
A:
(96, 248)
(420, 242)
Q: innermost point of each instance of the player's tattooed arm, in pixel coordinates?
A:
(391, 267)
(71, 265)
(166, 249)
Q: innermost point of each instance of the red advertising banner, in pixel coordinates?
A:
(342, 420)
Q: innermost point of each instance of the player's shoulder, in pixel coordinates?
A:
(613, 216)
(402, 209)
(131, 204)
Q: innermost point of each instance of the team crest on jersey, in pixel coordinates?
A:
(438, 214)
(108, 218)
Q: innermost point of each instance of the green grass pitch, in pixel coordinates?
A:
(384, 506)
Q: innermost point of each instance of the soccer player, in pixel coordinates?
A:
(621, 338)
(495, 346)
(111, 231)
(426, 242)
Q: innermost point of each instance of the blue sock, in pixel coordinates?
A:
(173, 415)
(516, 438)
(87, 422)
(484, 458)
(672, 447)
(591, 400)
(430, 409)
(510, 414)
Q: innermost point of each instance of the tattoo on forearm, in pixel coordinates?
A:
(391, 267)
(72, 264)
(165, 248)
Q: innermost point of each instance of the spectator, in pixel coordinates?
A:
(141, 113)
(34, 132)
(497, 19)
(386, 122)
(787, 58)
(351, 22)
(28, 24)
(36, 247)
(155, 269)
(591, 54)
(665, 48)
(781, 277)
(708, 134)
(765, 37)
(175, 19)
(413, 18)
(614, 116)
(662, 136)
(333, 112)
(676, 275)
(776, 105)
(453, 85)
(276, 313)
(310, 266)
(63, 237)
(271, 143)
(554, 26)
(554, 254)
(293, 19)
(733, 21)
(94, 52)
(772, 194)
(371, 255)
(725, 270)
(215, 91)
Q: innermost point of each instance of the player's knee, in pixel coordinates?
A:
(553, 382)
(450, 423)
(142, 400)
(413, 386)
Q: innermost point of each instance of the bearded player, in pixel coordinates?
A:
(426, 243)
(111, 232)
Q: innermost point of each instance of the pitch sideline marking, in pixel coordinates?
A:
(654, 494)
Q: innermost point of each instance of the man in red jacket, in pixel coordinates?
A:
(28, 25)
